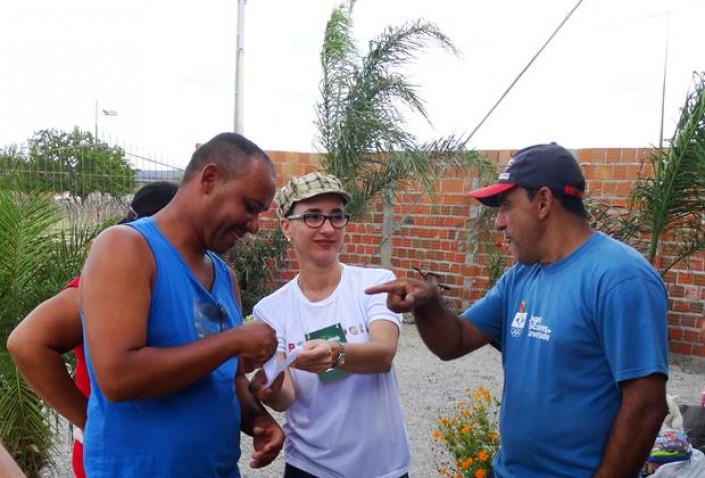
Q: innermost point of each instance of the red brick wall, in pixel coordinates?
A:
(438, 233)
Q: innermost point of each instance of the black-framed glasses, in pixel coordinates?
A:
(316, 219)
(210, 319)
(429, 276)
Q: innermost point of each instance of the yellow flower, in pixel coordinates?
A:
(466, 429)
(483, 456)
(480, 473)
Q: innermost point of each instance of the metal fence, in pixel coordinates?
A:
(80, 169)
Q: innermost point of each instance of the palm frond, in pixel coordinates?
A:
(338, 57)
(25, 426)
(27, 223)
(40, 249)
(361, 115)
(676, 192)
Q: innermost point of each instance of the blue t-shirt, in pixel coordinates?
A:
(570, 332)
(194, 432)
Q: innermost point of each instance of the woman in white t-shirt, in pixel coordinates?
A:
(343, 416)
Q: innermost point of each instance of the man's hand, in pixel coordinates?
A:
(267, 438)
(258, 342)
(316, 356)
(636, 426)
(265, 394)
(406, 294)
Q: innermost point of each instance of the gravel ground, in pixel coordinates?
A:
(427, 385)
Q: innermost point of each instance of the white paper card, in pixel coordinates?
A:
(272, 368)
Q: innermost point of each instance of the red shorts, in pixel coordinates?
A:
(77, 460)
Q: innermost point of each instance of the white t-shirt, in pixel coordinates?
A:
(353, 426)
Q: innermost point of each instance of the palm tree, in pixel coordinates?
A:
(672, 201)
(360, 116)
(39, 252)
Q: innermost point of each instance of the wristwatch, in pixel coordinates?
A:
(340, 361)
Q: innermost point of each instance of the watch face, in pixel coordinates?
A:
(341, 356)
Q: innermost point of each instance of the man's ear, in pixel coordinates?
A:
(544, 202)
(209, 176)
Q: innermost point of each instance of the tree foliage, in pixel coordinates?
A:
(59, 161)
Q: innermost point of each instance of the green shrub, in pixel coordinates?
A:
(257, 261)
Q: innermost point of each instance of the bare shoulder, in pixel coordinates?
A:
(120, 249)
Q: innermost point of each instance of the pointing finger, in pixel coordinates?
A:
(389, 287)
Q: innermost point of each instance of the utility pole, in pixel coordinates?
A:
(663, 88)
(239, 65)
(95, 134)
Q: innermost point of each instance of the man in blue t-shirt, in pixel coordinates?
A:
(580, 321)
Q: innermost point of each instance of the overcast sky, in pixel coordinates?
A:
(167, 69)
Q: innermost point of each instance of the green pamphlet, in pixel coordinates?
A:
(332, 332)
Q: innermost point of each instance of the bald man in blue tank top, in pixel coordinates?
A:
(164, 333)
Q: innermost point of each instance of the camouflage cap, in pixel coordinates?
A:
(306, 187)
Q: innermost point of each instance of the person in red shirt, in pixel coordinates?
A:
(54, 328)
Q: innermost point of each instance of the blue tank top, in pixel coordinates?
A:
(194, 432)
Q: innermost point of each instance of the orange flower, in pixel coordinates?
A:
(436, 435)
(483, 393)
(466, 429)
(493, 436)
(480, 473)
(465, 464)
(483, 456)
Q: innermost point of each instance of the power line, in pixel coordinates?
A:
(663, 89)
(521, 73)
(442, 170)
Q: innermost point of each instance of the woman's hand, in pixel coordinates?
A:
(316, 356)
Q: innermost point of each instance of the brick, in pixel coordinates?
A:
(613, 155)
(682, 348)
(675, 334)
(679, 306)
(628, 155)
(691, 336)
(452, 186)
(623, 189)
(685, 278)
